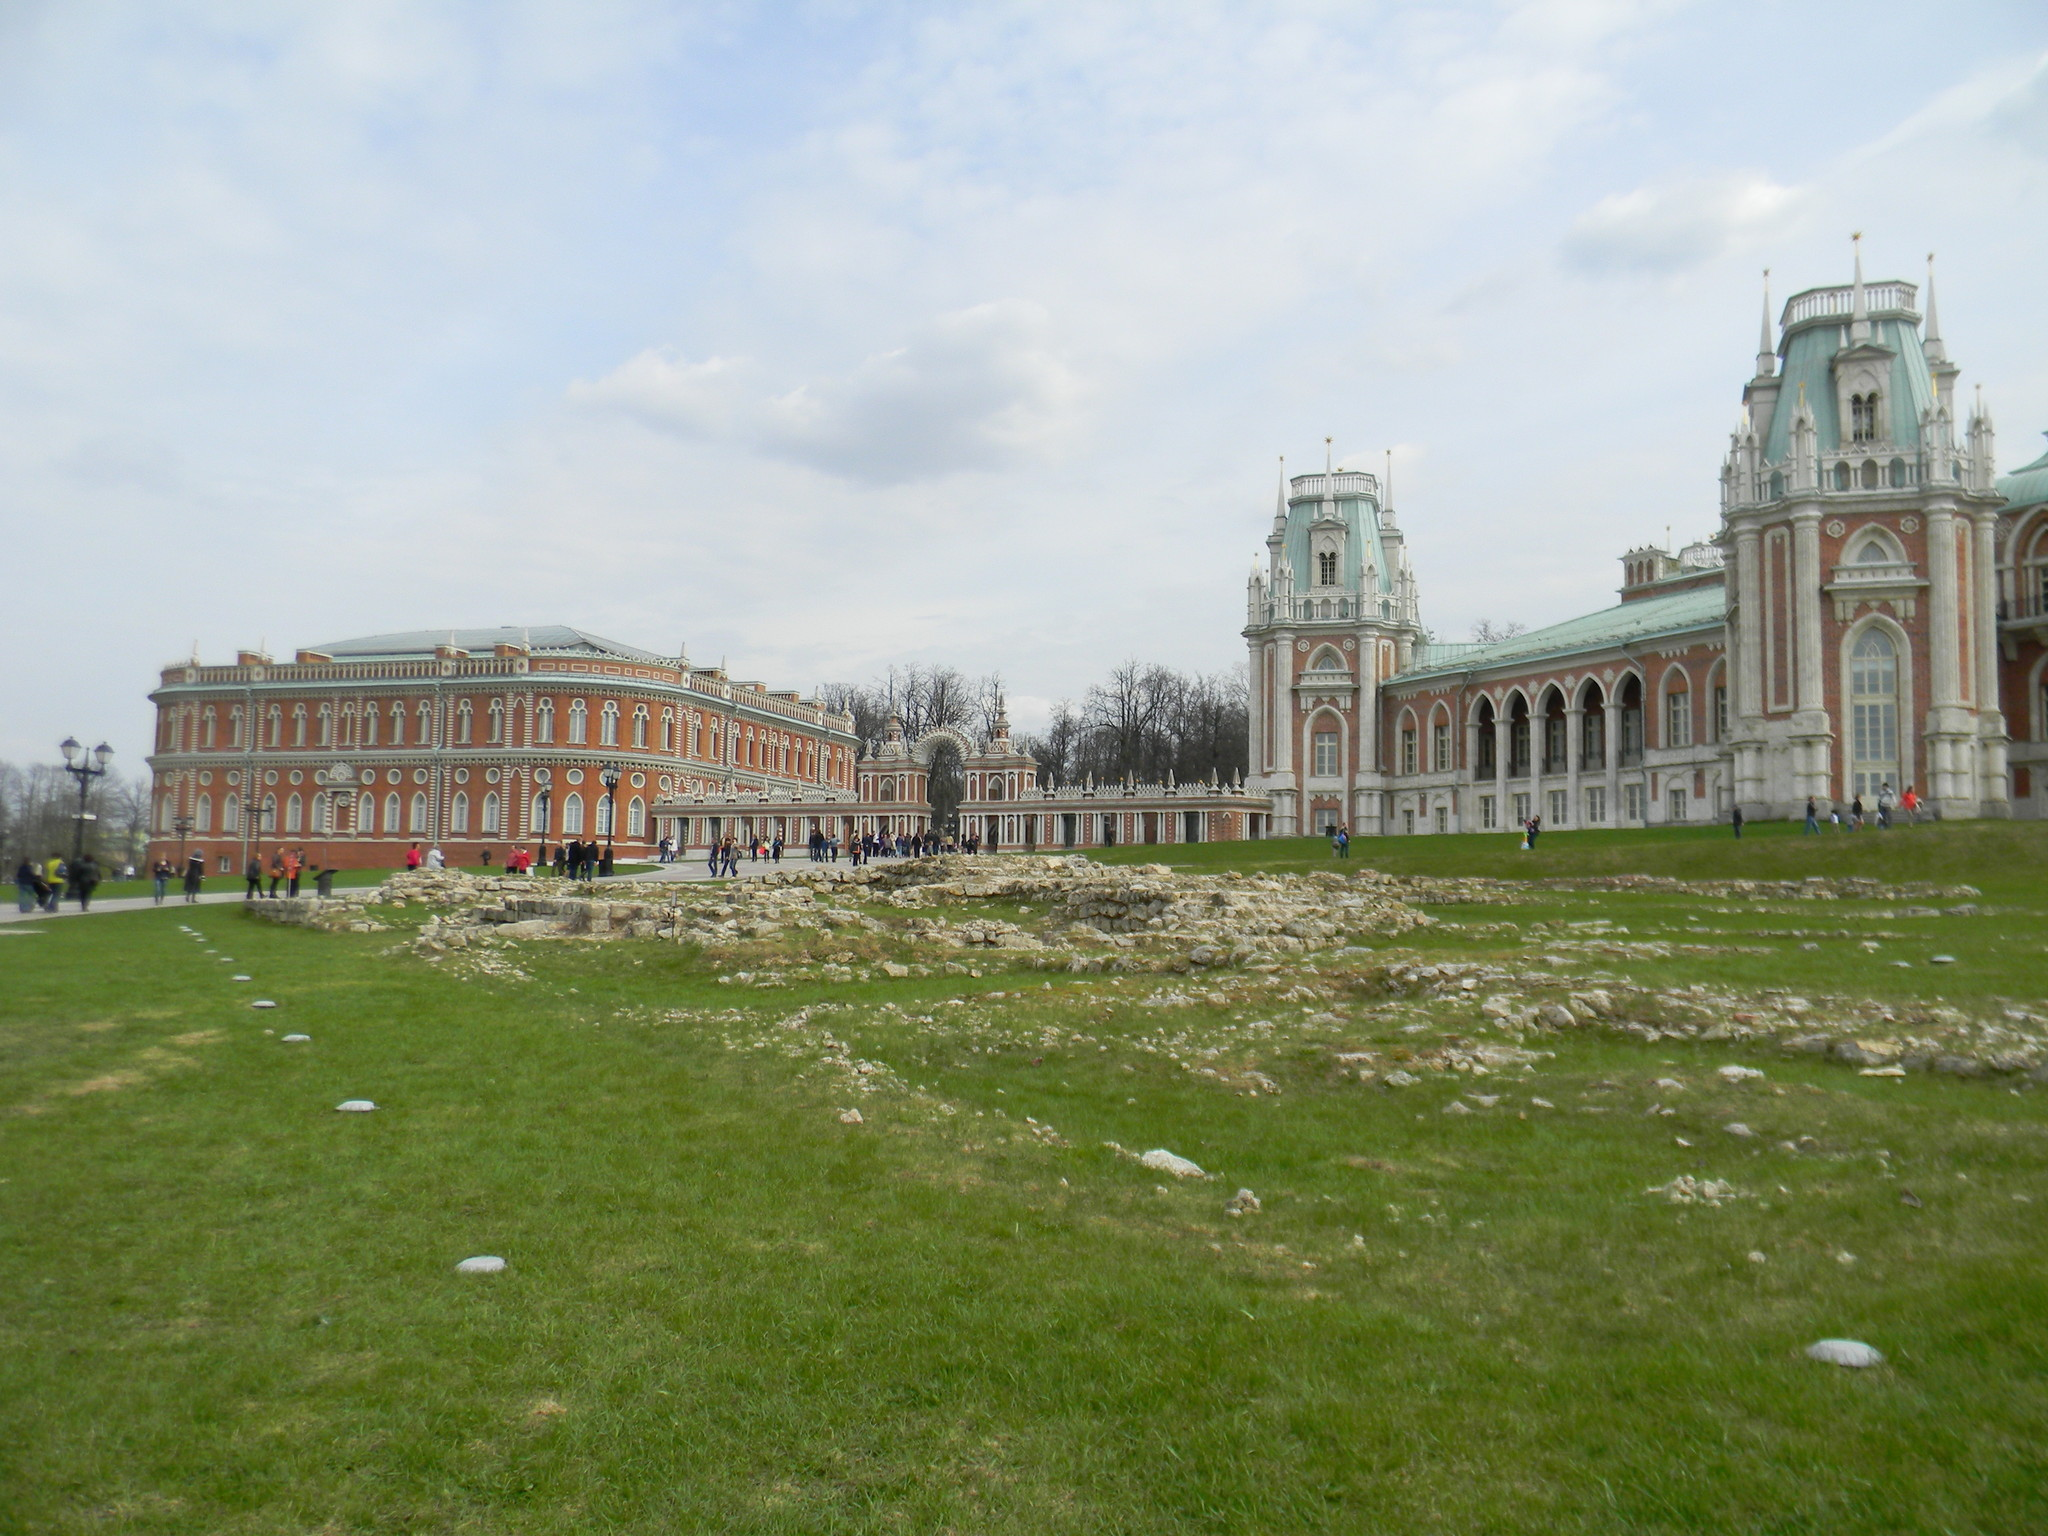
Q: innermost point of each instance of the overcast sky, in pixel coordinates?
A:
(821, 337)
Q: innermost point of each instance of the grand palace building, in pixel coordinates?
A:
(1869, 616)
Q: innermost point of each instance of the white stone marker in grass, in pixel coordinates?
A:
(297, 1039)
(241, 978)
(1850, 1352)
(482, 1264)
(1162, 1161)
(355, 1106)
(263, 1002)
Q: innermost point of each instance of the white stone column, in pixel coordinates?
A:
(1812, 729)
(1254, 707)
(1574, 725)
(1500, 768)
(1946, 716)
(1993, 794)
(1747, 669)
(1610, 748)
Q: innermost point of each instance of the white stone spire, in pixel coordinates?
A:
(1766, 346)
(1932, 347)
(1280, 501)
(1859, 303)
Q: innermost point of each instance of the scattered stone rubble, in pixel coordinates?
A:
(1080, 916)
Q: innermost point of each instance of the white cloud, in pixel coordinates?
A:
(977, 388)
(1675, 225)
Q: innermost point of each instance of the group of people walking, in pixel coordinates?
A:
(286, 867)
(1859, 815)
(40, 884)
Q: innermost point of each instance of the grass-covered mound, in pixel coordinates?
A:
(810, 1254)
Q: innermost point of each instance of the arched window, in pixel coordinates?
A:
(1873, 713)
(1873, 552)
(1556, 732)
(1325, 757)
(1678, 714)
(636, 817)
(497, 720)
(269, 814)
(462, 722)
(579, 721)
(397, 724)
(276, 727)
(206, 729)
(572, 816)
(231, 812)
(458, 812)
(640, 725)
(1843, 479)
(166, 808)
(202, 814)
(1863, 421)
(1326, 568)
(326, 725)
(1518, 738)
(604, 815)
(1898, 472)
(668, 731)
(417, 821)
(544, 723)
(608, 725)
(370, 718)
(294, 814)
(319, 823)
(493, 814)
(424, 724)
(391, 813)
(366, 815)
(298, 725)
(1871, 474)
(888, 789)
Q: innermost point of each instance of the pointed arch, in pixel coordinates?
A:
(1877, 693)
(1873, 544)
(1327, 751)
(1675, 707)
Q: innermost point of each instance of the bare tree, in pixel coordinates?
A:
(1486, 631)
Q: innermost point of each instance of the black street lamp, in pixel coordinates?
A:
(540, 822)
(85, 767)
(182, 825)
(608, 776)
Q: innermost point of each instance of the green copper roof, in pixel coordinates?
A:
(1808, 357)
(1646, 619)
(550, 639)
(1361, 517)
(2026, 486)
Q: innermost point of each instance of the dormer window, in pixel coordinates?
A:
(1863, 418)
(1326, 568)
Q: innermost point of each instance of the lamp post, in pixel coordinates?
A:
(608, 776)
(181, 825)
(85, 767)
(540, 822)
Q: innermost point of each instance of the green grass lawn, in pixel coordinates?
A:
(231, 1309)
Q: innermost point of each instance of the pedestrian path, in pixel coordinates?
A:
(119, 904)
(681, 870)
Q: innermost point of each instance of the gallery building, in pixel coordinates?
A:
(477, 741)
(468, 740)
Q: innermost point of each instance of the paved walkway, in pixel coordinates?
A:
(681, 870)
